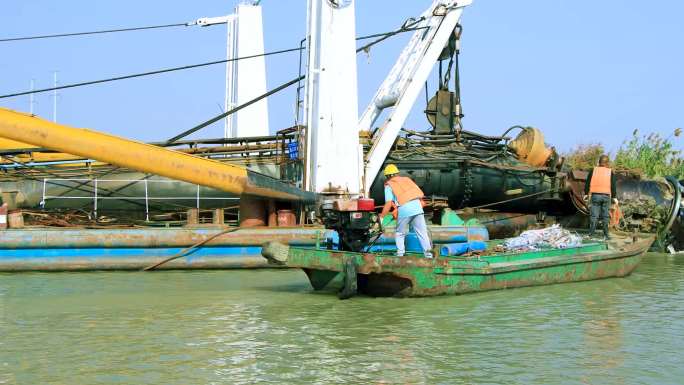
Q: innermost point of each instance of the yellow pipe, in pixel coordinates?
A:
(8, 144)
(142, 157)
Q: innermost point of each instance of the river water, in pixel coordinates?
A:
(244, 327)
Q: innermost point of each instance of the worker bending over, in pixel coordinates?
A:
(600, 188)
(406, 195)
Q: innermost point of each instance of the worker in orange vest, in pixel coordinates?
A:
(600, 189)
(402, 192)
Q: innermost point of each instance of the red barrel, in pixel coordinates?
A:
(286, 218)
(252, 212)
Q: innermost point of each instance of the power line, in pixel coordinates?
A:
(408, 26)
(95, 32)
(383, 36)
(173, 69)
(156, 72)
(71, 34)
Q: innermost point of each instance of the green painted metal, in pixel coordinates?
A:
(450, 218)
(386, 275)
(389, 221)
(473, 222)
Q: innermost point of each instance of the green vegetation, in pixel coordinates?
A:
(584, 156)
(650, 155)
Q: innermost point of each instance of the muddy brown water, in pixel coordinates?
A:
(244, 327)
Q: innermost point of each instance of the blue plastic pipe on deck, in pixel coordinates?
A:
(477, 246)
(454, 249)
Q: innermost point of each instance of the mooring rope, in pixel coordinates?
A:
(187, 250)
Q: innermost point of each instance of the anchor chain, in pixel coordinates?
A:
(467, 186)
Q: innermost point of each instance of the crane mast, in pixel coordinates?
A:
(436, 26)
(334, 163)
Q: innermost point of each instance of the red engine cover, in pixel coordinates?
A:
(366, 204)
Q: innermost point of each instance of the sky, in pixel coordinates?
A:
(583, 72)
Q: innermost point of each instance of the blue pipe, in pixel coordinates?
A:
(454, 249)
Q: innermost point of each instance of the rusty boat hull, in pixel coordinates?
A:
(414, 276)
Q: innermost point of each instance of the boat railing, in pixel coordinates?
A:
(97, 184)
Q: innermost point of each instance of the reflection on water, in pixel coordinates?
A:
(603, 339)
(267, 326)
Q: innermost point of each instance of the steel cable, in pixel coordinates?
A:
(156, 72)
(95, 32)
(191, 66)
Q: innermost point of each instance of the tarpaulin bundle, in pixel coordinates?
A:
(554, 237)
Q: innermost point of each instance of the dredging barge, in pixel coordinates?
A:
(313, 174)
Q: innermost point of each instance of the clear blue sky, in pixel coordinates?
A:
(581, 71)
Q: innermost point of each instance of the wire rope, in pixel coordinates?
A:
(155, 72)
(37, 37)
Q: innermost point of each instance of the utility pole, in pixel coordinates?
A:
(54, 102)
(31, 97)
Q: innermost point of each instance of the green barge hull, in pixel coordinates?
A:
(381, 275)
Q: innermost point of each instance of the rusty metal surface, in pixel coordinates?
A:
(646, 205)
(629, 187)
(36, 238)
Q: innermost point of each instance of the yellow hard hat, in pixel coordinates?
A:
(391, 169)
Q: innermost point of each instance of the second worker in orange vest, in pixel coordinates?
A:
(406, 196)
(600, 187)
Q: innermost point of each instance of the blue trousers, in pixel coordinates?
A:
(417, 223)
(600, 209)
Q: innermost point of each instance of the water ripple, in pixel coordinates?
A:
(246, 327)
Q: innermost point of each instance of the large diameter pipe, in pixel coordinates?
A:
(144, 157)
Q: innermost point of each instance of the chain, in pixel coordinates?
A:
(468, 187)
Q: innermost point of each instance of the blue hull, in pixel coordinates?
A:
(129, 259)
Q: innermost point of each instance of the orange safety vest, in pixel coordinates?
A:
(404, 189)
(600, 181)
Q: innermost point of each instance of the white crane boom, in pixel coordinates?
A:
(405, 81)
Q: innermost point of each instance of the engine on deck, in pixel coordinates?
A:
(353, 219)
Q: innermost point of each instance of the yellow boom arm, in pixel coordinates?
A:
(144, 157)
